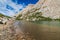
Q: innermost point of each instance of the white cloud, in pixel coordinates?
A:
(6, 12)
(9, 12)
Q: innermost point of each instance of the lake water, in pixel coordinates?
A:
(42, 30)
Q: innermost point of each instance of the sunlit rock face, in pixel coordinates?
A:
(49, 8)
(28, 8)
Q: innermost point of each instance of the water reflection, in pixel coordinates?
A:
(44, 30)
(49, 23)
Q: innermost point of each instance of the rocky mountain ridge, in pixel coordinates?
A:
(45, 8)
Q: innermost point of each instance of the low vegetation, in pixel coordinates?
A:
(1, 15)
(37, 16)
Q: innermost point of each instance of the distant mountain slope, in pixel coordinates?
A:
(1, 15)
(43, 9)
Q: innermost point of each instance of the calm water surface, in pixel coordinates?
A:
(43, 30)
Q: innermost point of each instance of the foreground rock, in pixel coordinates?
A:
(12, 31)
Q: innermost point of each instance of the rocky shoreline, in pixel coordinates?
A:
(10, 32)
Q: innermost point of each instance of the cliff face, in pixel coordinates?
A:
(48, 8)
(51, 8)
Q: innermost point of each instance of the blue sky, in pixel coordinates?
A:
(12, 7)
(25, 1)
